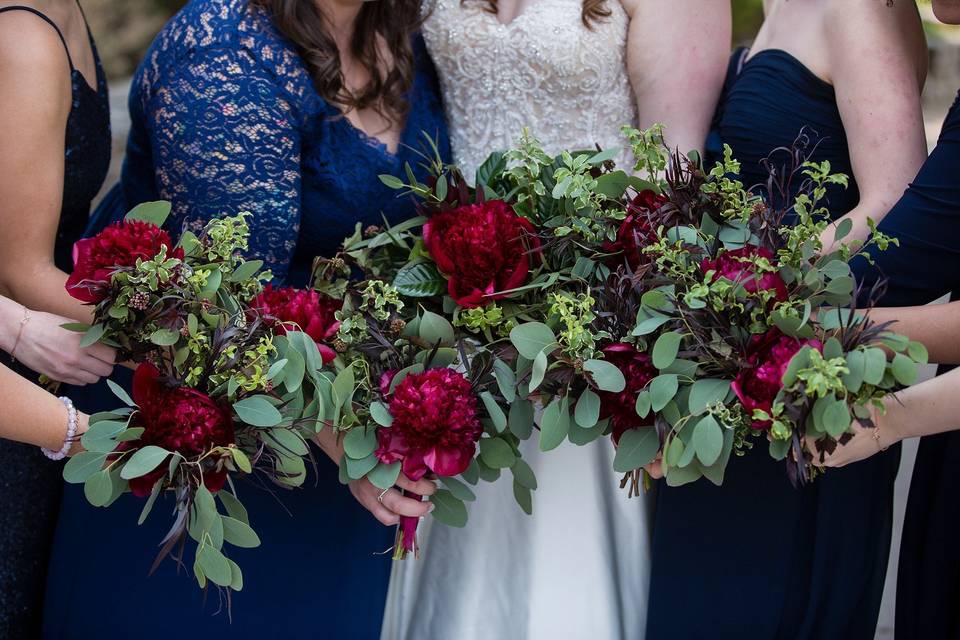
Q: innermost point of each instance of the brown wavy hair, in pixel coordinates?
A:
(381, 43)
(593, 10)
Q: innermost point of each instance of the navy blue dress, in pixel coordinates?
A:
(758, 558)
(926, 266)
(225, 119)
(30, 485)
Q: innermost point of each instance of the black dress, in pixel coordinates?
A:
(758, 558)
(925, 266)
(30, 485)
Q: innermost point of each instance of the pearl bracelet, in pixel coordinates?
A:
(71, 432)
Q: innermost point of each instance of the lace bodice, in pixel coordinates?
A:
(544, 70)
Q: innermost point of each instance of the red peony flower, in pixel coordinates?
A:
(435, 424)
(119, 245)
(621, 407)
(177, 419)
(482, 249)
(288, 309)
(768, 357)
(739, 266)
(636, 231)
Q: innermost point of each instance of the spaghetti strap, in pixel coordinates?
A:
(43, 17)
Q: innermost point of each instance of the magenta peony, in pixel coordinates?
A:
(287, 309)
(621, 408)
(178, 419)
(119, 245)
(435, 424)
(759, 382)
(636, 231)
(481, 249)
(739, 266)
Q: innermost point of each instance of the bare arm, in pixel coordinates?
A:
(32, 415)
(937, 326)
(877, 60)
(35, 100)
(925, 409)
(677, 54)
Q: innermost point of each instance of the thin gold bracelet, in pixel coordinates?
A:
(876, 438)
(23, 323)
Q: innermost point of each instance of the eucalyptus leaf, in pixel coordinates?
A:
(587, 412)
(665, 349)
(497, 416)
(523, 474)
(662, 390)
(708, 440)
(155, 213)
(360, 442)
(459, 489)
(705, 392)
(554, 425)
(257, 411)
(448, 509)
(637, 447)
(531, 338)
(520, 418)
(435, 328)
(239, 534)
(381, 414)
(538, 371)
(82, 466)
(605, 375)
(497, 453)
(143, 461)
(384, 476)
(523, 497)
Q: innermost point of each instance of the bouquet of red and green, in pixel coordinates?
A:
(228, 378)
(678, 313)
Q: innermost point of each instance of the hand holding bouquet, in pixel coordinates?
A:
(226, 383)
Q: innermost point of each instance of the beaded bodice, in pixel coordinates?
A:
(545, 70)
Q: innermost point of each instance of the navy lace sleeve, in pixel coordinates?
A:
(225, 140)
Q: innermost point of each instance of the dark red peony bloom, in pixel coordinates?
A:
(636, 231)
(286, 309)
(177, 419)
(768, 357)
(481, 249)
(435, 424)
(621, 408)
(739, 266)
(119, 245)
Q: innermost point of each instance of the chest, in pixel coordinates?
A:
(541, 41)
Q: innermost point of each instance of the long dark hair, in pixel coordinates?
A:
(593, 10)
(391, 66)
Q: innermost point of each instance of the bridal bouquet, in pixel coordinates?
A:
(228, 379)
(681, 315)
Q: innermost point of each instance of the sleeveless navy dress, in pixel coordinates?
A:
(30, 485)
(924, 267)
(225, 119)
(758, 558)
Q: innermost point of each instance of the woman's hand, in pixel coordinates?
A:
(386, 506)
(865, 442)
(47, 348)
(393, 504)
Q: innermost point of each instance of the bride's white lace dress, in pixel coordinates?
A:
(579, 567)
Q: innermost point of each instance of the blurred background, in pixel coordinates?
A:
(125, 29)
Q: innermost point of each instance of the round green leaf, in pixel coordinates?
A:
(143, 461)
(257, 411)
(239, 533)
(381, 414)
(98, 488)
(448, 510)
(520, 419)
(662, 390)
(904, 369)
(708, 440)
(459, 489)
(587, 412)
(531, 338)
(554, 425)
(435, 328)
(360, 442)
(606, 375)
(523, 474)
(705, 392)
(665, 349)
(497, 453)
(214, 565)
(384, 476)
(638, 447)
(82, 466)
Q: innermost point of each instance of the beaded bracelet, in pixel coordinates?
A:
(71, 432)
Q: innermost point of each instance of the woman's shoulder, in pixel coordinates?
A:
(225, 32)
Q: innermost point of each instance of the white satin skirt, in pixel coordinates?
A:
(577, 569)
